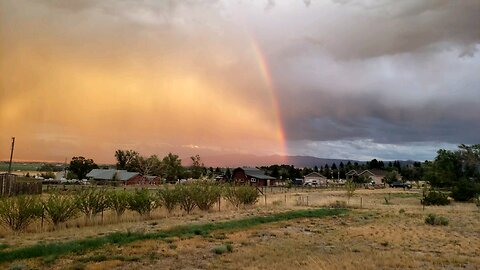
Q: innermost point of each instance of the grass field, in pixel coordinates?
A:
(371, 235)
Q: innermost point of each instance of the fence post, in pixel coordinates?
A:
(361, 202)
(265, 198)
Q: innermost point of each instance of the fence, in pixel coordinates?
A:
(10, 186)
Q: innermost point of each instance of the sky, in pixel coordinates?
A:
(336, 79)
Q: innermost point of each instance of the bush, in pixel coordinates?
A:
(91, 202)
(18, 212)
(206, 194)
(338, 204)
(465, 191)
(117, 200)
(186, 197)
(435, 198)
(222, 249)
(237, 195)
(142, 202)
(434, 220)
(60, 208)
(169, 198)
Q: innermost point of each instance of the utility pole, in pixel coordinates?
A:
(11, 156)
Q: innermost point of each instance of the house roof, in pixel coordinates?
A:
(111, 174)
(367, 172)
(151, 177)
(352, 172)
(314, 174)
(256, 173)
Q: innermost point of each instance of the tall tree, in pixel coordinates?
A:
(198, 168)
(82, 166)
(172, 168)
(127, 159)
(148, 166)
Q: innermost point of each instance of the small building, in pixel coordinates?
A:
(122, 177)
(314, 179)
(153, 180)
(376, 178)
(254, 177)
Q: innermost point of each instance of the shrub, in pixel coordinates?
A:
(117, 200)
(435, 198)
(205, 194)
(434, 220)
(142, 202)
(222, 249)
(91, 202)
(237, 195)
(60, 208)
(18, 212)
(169, 198)
(186, 197)
(465, 191)
(338, 204)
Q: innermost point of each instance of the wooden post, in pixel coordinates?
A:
(361, 202)
(11, 156)
(307, 200)
(219, 198)
(265, 198)
(285, 199)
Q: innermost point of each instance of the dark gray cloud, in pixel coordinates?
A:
(370, 78)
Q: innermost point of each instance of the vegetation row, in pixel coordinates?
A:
(18, 212)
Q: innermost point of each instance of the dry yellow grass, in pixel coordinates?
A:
(376, 236)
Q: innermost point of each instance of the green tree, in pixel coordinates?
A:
(228, 174)
(172, 167)
(198, 168)
(82, 166)
(127, 159)
(391, 177)
(148, 166)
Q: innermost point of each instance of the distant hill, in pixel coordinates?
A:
(238, 160)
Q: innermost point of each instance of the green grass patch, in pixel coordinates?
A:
(4, 246)
(185, 231)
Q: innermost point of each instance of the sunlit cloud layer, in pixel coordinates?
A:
(351, 79)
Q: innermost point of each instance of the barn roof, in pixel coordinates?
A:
(314, 174)
(111, 174)
(256, 173)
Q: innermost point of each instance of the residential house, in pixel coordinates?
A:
(255, 177)
(314, 179)
(376, 177)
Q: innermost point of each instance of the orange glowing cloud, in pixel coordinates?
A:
(90, 91)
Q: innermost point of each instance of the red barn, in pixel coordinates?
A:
(252, 176)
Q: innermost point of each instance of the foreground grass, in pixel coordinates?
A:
(79, 246)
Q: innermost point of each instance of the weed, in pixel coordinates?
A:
(220, 249)
(434, 220)
(338, 204)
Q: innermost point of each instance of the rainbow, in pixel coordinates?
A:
(269, 84)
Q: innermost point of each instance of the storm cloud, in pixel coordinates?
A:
(353, 79)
